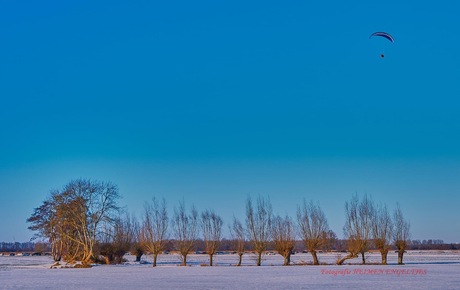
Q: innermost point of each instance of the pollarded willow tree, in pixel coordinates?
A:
(153, 234)
(401, 233)
(73, 218)
(211, 227)
(382, 231)
(283, 235)
(258, 223)
(366, 216)
(185, 228)
(358, 226)
(238, 236)
(313, 227)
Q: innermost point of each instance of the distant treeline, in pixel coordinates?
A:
(227, 245)
(25, 247)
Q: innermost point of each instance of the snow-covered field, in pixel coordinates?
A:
(423, 270)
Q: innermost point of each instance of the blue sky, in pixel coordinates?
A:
(212, 101)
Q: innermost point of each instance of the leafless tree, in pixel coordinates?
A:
(40, 247)
(313, 227)
(211, 227)
(366, 215)
(100, 204)
(185, 228)
(237, 233)
(70, 224)
(105, 247)
(283, 235)
(43, 222)
(136, 247)
(123, 236)
(331, 240)
(358, 226)
(117, 239)
(72, 218)
(258, 223)
(154, 231)
(401, 234)
(382, 231)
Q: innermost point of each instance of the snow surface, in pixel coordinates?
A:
(423, 270)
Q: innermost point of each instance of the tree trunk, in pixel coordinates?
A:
(155, 255)
(363, 258)
(240, 259)
(210, 259)
(400, 257)
(349, 256)
(56, 250)
(384, 256)
(119, 259)
(287, 259)
(259, 258)
(138, 257)
(315, 257)
(184, 260)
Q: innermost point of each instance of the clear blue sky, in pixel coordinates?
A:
(212, 101)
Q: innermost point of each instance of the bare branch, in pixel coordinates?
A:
(313, 227)
(258, 222)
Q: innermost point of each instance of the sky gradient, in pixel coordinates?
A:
(212, 101)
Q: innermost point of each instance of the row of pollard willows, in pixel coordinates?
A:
(366, 225)
(83, 221)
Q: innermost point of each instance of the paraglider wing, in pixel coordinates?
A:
(383, 34)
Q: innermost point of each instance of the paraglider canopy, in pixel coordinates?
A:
(383, 34)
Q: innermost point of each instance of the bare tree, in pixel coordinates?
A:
(185, 227)
(258, 223)
(105, 247)
(313, 227)
(43, 222)
(382, 231)
(72, 218)
(366, 215)
(154, 231)
(331, 240)
(238, 236)
(401, 233)
(136, 247)
(358, 225)
(40, 247)
(283, 235)
(211, 227)
(70, 223)
(100, 207)
(117, 239)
